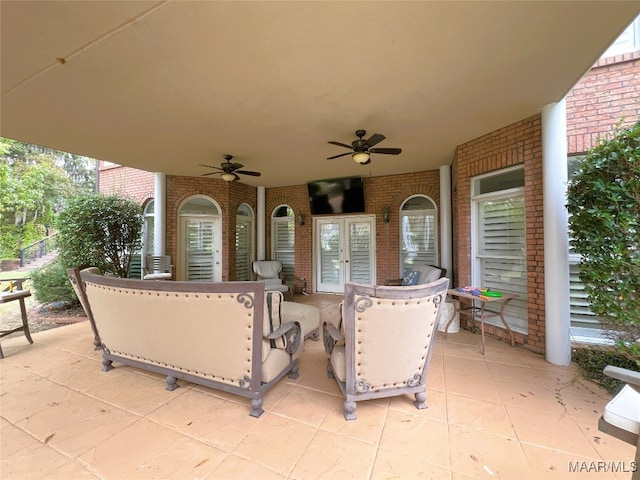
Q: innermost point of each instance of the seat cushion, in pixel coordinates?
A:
(339, 363)
(624, 410)
(307, 315)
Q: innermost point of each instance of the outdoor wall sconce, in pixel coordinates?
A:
(300, 219)
(386, 214)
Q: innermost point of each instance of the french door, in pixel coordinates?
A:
(345, 252)
(201, 248)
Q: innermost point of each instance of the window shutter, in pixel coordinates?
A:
(284, 245)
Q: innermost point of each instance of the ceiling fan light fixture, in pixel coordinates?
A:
(228, 177)
(360, 157)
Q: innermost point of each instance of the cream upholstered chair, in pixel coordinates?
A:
(621, 416)
(384, 346)
(158, 267)
(419, 275)
(270, 272)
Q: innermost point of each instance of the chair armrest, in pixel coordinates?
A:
(290, 332)
(395, 282)
(330, 336)
(628, 376)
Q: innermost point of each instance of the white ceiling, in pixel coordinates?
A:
(168, 85)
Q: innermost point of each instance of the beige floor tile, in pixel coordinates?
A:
(207, 418)
(296, 405)
(476, 414)
(13, 439)
(435, 380)
(333, 456)
(39, 462)
(457, 364)
(392, 465)
(127, 454)
(553, 464)
(366, 428)
(31, 396)
(418, 437)
(238, 468)
(286, 439)
(556, 431)
(540, 398)
(483, 455)
(12, 374)
(314, 376)
(76, 424)
(183, 458)
(608, 448)
(473, 386)
(436, 405)
(135, 392)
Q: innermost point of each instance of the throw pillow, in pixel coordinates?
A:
(411, 278)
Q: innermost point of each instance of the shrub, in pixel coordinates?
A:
(100, 230)
(604, 207)
(592, 360)
(50, 284)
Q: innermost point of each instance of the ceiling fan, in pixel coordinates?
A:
(362, 149)
(230, 170)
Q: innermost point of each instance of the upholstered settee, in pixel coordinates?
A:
(228, 336)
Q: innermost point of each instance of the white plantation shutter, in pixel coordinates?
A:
(501, 253)
(284, 245)
(360, 252)
(200, 250)
(418, 239)
(243, 249)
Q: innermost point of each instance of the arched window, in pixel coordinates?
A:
(146, 245)
(200, 240)
(244, 242)
(283, 240)
(418, 234)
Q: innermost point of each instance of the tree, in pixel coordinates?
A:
(604, 208)
(101, 231)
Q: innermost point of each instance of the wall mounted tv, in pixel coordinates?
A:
(336, 195)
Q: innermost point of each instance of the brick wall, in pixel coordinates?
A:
(516, 144)
(127, 181)
(607, 94)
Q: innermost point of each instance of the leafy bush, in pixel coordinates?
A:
(50, 284)
(101, 231)
(604, 207)
(592, 360)
(9, 242)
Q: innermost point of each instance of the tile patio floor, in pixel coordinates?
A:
(508, 414)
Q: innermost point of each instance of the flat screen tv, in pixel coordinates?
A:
(336, 195)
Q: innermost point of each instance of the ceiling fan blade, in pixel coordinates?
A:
(232, 166)
(210, 173)
(210, 166)
(248, 172)
(375, 139)
(387, 151)
(341, 145)
(338, 156)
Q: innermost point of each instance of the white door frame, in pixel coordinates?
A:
(344, 273)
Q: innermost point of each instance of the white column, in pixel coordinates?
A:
(160, 213)
(446, 246)
(556, 236)
(260, 224)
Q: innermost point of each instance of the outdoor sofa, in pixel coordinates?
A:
(224, 335)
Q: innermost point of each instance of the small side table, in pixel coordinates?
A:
(20, 295)
(481, 313)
